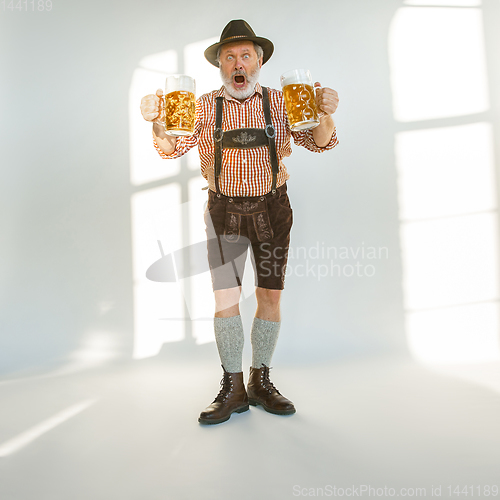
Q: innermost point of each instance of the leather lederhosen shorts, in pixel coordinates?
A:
(234, 224)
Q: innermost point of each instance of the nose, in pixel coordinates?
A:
(238, 63)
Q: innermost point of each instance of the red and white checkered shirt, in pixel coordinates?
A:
(245, 172)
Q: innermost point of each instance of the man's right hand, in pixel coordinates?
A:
(152, 108)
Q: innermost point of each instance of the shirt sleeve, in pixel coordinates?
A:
(184, 144)
(305, 139)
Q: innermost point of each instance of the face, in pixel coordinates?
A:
(239, 68)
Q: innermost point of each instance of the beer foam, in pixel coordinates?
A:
(296, 76)
(174, 83)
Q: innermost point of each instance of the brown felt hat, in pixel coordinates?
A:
(239, 31)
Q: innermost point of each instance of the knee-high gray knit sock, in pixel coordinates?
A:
(229, 337)
(264, 336)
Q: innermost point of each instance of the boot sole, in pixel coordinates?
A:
(220, 420)
(255, 402)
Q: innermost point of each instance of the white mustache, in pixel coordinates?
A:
(251, 81)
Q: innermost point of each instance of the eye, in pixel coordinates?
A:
(246, 56)
(229, 58)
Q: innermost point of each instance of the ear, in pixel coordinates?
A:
(260, 61)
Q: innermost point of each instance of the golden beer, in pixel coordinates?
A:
(300, 100)
(179, 105)
(179, 113)
(300, 106)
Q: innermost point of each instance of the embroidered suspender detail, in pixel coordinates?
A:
(245, 138)
(271, 133)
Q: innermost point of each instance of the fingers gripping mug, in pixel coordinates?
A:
(300, 100)
(179, 105)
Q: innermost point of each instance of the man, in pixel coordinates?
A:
(243, 134)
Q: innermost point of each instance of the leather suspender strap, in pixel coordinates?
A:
(218, 134)
(271, 134)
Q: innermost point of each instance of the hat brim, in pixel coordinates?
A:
(267, 47)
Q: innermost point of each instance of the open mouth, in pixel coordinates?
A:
(239, 81)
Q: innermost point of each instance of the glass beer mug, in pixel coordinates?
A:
(300, 101)
(179, 105)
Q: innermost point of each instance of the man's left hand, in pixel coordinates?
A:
(327, 99)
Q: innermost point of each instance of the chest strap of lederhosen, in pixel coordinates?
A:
(245, 138)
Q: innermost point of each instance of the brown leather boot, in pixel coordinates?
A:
(232, 397)
(261, 391)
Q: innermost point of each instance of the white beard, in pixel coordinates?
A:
(251, 80)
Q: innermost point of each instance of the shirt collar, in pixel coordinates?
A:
(222, 93)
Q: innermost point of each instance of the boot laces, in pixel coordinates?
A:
(226, 385)
(266, 382)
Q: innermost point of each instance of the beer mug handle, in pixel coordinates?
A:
(320, 113)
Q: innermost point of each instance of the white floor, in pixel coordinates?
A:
(130, 432)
